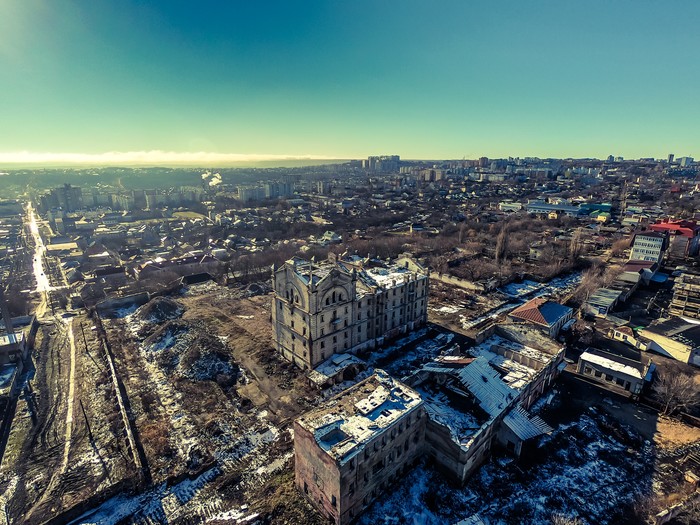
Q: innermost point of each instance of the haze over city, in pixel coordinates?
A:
(173, 81)
(349, 262)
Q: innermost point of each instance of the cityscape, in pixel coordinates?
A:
(372, 263)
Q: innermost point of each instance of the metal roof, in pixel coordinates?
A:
(486, 385)
(524, 425)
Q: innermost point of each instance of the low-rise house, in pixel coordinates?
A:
(547, 315)
(674, 338)
(619, 372)
(601, 302)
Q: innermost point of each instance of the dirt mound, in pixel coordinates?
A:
(185, 349)
(159, 310)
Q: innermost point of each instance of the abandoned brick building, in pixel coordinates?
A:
(453, 410)
(344, 305)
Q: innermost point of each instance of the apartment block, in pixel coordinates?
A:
(649, 246)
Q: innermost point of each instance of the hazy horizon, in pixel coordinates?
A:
(344, 80)
(146, 159)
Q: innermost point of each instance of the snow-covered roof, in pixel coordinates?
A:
(333, 366)
(485, 384)
(463, 424)
(524, 425)
(518, 374)
(614, 363)
(359, 414)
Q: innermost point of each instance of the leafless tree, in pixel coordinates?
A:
(619, 247)
(675, 392)
(575, 245)
(502, 243)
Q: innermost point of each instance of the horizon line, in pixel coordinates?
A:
(148, 157)
(200, 158)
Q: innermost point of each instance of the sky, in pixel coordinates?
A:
(224, 81)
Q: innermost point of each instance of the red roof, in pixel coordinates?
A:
(530, 311)
(680, 227)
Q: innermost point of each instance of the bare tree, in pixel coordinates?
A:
(675, 392)
(619, 247)
(575, 245)
(502, 243)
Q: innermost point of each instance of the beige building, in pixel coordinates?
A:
(344, 305)
(686, 296)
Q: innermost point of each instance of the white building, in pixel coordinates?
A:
(344, 305)
(649, 246)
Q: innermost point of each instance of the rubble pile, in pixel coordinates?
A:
(186, 349)
(159, 310)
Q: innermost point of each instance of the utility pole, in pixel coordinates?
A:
(82, 329)
(87, 423)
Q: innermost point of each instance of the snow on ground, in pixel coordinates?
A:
(521, 292)
(191, 499)
(517, 290)
(447, 309)
(582, 469)
(401, 362)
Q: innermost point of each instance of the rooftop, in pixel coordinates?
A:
(516, 375)
(353, 418)
(541, 311)
(678, 329)
(618, 363)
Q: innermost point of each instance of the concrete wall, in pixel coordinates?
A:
(110, 305)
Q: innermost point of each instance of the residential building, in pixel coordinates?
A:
(601, 302)
(344, 305)
(616, 371)
(509, 205)
(544, 208)
(67, 197)
(684, 237)
(547, 315)
(673, 337)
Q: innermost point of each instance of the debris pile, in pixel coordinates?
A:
(156, 312)
(187, 350)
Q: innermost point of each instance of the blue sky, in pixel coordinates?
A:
(347, 79)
